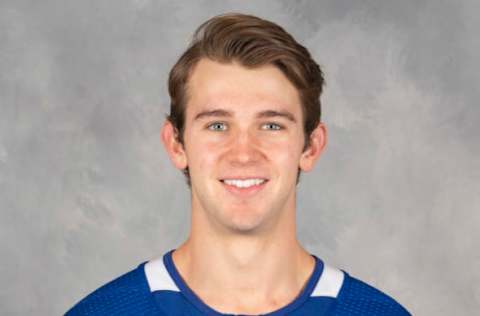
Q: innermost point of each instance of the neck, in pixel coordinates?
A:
(263, 272)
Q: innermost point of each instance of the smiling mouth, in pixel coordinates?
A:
(244, 183)
(244, 188)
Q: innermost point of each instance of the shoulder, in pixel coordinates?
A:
(359, 298)
(126, 295)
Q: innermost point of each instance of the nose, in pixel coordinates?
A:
(244, 149)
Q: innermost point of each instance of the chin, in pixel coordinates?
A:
(243, 229)
(244, 226)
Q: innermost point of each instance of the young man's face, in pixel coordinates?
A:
(243, 124)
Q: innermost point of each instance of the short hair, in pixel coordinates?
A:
(252, 42)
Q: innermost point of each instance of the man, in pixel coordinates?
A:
(244, 122)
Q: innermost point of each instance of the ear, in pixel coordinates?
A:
(173, 147)
(318, 141)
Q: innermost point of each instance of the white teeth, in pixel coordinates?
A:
(244, 183)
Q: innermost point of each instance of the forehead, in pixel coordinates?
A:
(231, 85)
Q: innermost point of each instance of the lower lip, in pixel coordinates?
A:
(244, 192)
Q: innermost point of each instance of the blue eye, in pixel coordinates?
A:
(217, 126)
(273, 126)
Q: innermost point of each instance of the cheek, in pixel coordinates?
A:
(286, 157)
(202, 155)
(289, 160)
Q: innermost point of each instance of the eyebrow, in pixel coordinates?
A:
(264, 114)
(272, 113)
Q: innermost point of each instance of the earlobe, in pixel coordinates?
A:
(318, 141)
(173, 147)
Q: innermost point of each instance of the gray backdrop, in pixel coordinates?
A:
(87, 191)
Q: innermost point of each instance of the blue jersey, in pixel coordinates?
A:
(155, 288)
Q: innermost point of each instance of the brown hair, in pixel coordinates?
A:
(252, 42)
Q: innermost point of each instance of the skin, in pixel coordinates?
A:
(248, 242)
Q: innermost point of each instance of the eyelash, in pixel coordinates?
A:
(279, 127)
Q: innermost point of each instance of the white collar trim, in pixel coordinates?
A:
(330, 282)
(158, 277)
